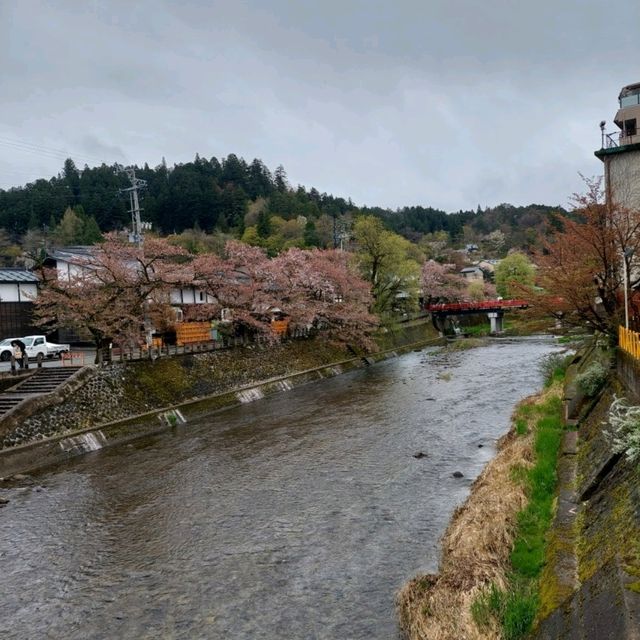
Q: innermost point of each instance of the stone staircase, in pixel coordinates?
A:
(43, 381)
(8, 402)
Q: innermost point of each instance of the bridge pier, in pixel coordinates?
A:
(496, 320)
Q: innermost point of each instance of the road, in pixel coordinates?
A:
(81, 356)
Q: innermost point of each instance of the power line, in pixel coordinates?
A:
(28, 147)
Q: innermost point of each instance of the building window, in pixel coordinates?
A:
(630, 127)
(630, 101)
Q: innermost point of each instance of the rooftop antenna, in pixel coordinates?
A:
(136, 236)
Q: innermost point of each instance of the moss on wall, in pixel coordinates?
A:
(120, 390)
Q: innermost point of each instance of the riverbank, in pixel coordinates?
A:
(125, 401)
(297, 516)
(546, 546)
(477, 546)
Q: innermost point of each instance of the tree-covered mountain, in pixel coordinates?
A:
(244, 199)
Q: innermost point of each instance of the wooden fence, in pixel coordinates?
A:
(629, 341)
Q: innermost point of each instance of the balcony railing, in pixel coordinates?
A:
(610, 140)
(618, 139)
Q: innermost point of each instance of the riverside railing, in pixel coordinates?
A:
(629, 341)
(153, 352)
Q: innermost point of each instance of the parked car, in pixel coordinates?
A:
(37, 348)
(6, 349)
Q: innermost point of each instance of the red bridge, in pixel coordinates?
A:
(493, 308)
(485, 306)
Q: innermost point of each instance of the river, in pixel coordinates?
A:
(294, 517)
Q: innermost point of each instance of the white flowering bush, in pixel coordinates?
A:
(590, 381)
(624, 432)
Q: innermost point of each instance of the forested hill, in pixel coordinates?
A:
(230, 195)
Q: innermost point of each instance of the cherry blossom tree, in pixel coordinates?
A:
(321, 289)
(441, 283)
(241, 281)
(111, 291)
(314, 289)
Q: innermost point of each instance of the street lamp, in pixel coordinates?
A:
(626, 254)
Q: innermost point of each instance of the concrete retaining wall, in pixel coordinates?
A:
(113, 392)
(604, 547)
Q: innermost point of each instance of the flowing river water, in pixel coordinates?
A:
(294, 517)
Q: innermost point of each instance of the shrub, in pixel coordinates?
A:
(553, 367)
(590, 381)
(624, 432)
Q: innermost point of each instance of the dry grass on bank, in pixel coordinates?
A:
(475, 549)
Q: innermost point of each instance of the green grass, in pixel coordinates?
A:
(572, 338)
(516, 607)
(487, 605)
(520, 607)
(477, 330)
(521, 426)
(553, 367)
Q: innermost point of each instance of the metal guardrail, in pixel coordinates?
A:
(619, 139)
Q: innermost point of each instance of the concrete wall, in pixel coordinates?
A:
(600, 555)
(122, 402)
(623, 174)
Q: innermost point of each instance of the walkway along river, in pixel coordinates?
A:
(294, 517)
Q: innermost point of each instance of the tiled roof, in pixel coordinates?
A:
(71, 254)
(18, 275)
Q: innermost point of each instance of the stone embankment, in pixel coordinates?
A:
(591, 585)
(124, 401)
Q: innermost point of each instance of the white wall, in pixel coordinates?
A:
(18, 292)
(624, 178)
(68, 270)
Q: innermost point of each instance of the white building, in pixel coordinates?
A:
(72, 261)
(18, 290)
(620, 151)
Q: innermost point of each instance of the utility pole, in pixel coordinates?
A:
(136, 224)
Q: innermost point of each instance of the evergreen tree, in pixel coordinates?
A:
(263, 226)
(311, 238)
(280, 179)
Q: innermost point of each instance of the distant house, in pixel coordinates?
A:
(488, 268)
(70, 262)
(472, 274)
(18, 289)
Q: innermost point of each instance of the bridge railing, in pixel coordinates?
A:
(484, 305)
(629, 341)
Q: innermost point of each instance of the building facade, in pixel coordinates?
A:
(18, 290)
(620, 151)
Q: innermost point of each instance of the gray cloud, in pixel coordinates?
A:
(449, 104)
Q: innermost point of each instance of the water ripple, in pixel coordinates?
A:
(296, 516)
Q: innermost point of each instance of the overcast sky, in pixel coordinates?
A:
(447, 103)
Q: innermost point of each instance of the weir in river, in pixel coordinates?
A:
(295, 516)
